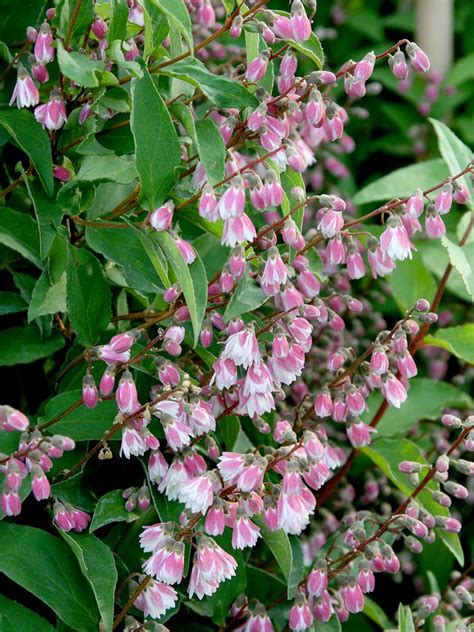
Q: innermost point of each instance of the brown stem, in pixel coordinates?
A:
(136, 593)
(75, 13)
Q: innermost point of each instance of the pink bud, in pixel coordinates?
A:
(90, 395)
(418, 58)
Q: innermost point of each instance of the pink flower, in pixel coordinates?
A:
(363, 69)
(238, 230)
(44, 52)
(157, 466)
(90, 394)
(52, 115)
(198, 493)
(365, 578)
(330, 222)
(380, 264)
(352, 597)
(178, 435)
(274, 274)
(208, 204)
(393, 390)
(167, 562)
(133, 443)
(206, 15)
(12, 419)
(11, 502)
(135, 15)
(379, 361)
(258, 67)
(398, 65)
(225, 373)
(156, 599)
(299, 22)
(245, 533)
(281, 26)
(242, 348)
(317, 581)
(232, 202)
(212, 565)
(394, 240)
(162, 217)
(418, 58)
(434, 225)
(444, 199)
(215, 523)
(301, 617)
(415, 204)
(186, 250)
(39, 483)
(25, 92)
(359, 434)
(126, 394)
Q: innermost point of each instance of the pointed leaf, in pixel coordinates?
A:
(157, 148)
(28, 134)
(15, 617)
(88, 296)
(44, 565)
(211, 149)
(22, 345)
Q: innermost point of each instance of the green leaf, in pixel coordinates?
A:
(376, 614)
(333, 625)
(47, 298)
(427, 399)
(111, 508)
(49, 214)
(459, 259)
(405, 619)
(82, 423)
(157, 147)
(64, 12)
(192, 280)
(156, 27)
(105, 169)
(287, 552)
(22, 345)
(88, 296)
(211, 149)
(75, 491)
(411, 280)
(97, 564)
(178, 15)
(290, 179)
(19, 232)
(455, 153)
(457, 340)
(402, 182)
(436, 259)
(118, 21)
(28, 134)
(387, 454)
(224, 92)
(125, 248)
(264, 586)
(52, 573)
(15, 617)
(79, 68)
(247, 297)
(11, 303)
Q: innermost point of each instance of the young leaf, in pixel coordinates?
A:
(15, 617)
(402, 182)
(51, 573)
(11, 303)
(459, 259)
(88, 296)
(28, 134)
(211, 149)
(125, 248)
(224, 92)
(79, 68)
(158, 152)
(97, 564)
(111, 508)
(48, 213)
(287, 552)
(178, 15)
(19, 232)
(22, 345)
(421, 285)
(455, 153)
(82, 423)
(47, 298)
(458, 340)
(192, 279)
(247, 297)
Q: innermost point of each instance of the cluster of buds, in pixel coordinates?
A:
(29, 465)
